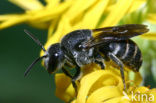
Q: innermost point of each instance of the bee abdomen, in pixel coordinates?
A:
(128, 52)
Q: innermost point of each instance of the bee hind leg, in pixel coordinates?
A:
(120, 64)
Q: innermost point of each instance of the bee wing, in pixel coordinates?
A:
(115, 33)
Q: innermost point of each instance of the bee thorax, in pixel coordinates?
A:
(83, 58)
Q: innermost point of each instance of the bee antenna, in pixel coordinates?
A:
(35, 39)
(33, 63)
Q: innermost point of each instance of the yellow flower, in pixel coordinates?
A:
(104, 86)
(95, 14)
(36, 14)
(62, 16)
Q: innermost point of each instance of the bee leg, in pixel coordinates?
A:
(120, 64)
(66, 72)
(101, 63)
(76, 76)
(99, 60)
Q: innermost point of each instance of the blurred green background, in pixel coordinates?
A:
(17, 51)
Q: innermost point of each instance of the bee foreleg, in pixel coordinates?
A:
(101, 63)
(76, 76)
(66, 72)
(99, 60)
(120, 64)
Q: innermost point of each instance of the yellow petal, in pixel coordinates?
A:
(138, 78)
(45, 15)
(13, 21)
(64, 90)
(116, 100)
(28, 4)
(40, 25)
(63, 28)
(124, 100)
(58, 80)
(135, 78)
(113, 79)
(136, 5)
(141, 89)
(117, 14)
(78, 7)
(74, 101)
(93, 16)
(51, 28)
(103, 94)
(8, 16)
(150, 36)
(151, 18)
(87, 82)
(52, 3)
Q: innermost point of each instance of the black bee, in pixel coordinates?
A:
(79, 48)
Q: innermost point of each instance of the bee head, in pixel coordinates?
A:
(54, 59)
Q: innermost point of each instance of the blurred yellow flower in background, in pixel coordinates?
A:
(62, 16)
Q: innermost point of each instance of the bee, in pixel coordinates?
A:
(80, 47)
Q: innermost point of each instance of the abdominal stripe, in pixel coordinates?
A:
(126, 51)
